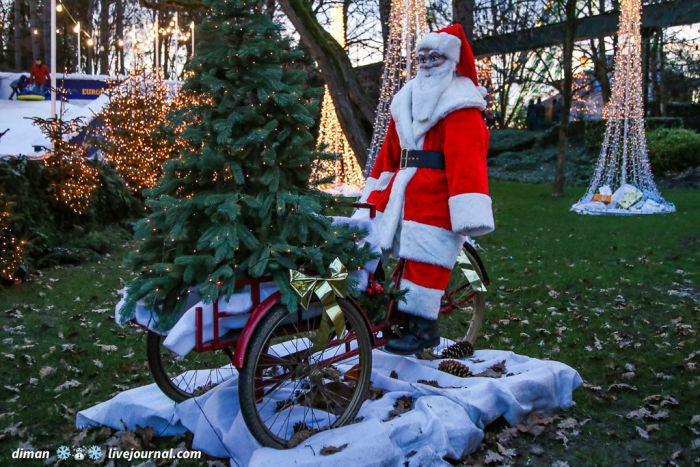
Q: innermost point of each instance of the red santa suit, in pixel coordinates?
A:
(425, 214)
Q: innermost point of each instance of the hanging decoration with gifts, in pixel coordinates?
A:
(623, 183)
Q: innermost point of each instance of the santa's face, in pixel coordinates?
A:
(428, 59)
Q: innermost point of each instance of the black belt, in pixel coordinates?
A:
(422, 159)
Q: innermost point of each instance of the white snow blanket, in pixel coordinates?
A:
(443, 422)
(181, 338)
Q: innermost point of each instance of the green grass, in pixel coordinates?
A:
(548, 266)
(555, 269)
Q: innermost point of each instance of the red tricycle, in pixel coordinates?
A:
(283, 386)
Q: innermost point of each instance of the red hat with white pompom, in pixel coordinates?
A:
(452, 43)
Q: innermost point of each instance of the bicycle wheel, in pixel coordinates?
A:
(460, 298)
(181, 378)
(284, 388)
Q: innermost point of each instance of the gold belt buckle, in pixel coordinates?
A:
(403, 164)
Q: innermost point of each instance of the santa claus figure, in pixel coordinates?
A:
(429, 181)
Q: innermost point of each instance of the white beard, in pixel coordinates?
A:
(428, 86)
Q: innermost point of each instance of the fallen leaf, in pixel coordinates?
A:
(402, 405)
(328, 450)
(642, 432)
(492, 457)
(68, 384)
(567, 424)
(640, 413)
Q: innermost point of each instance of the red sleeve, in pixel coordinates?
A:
(389, 154)
(466, 144)
(386, 164)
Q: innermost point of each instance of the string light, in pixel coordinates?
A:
(623, 157)
(11, 248)
(344, 166)
(407, 24)
(136, 108)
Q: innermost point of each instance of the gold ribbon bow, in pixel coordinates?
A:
(469, 271)
(333, 284)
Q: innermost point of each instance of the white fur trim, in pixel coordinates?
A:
(460, 94)
(384, 180)
(394, 208)
(471, 214)
(403, 118)
(445, 43)
(421, 301)
(369, 188)
(429, 244)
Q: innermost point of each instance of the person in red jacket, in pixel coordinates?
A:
(39, 75)
(429, 181)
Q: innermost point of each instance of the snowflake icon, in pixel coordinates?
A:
(94, 452)
(63, 453)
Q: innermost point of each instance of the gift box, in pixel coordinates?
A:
(603, 198)
(630, 198)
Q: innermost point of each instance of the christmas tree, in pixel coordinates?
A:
(136, 108)
(11, 249)
(236, 201)
(73, 179)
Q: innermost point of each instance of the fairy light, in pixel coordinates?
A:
(11, 248)
(344, 167)
(407, 24)
(623, 157)
(77, 180)
(136, 108)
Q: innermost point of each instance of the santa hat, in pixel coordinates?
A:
(452, 43)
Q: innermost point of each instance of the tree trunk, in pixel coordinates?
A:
(89, 50)
(655, 88)
(18, 35)
(104, 37)
(463, 13)
(354, 108)
(119, 24)
(46, 27)
(384, 14)
(567, 95)
(34, 27)
(663, 95)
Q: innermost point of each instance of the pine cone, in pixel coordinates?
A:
(455, 368)
(459, 350)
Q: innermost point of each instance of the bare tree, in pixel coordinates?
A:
(567, 95)
(46, 28)
(105, 37)
(34, 29)
(119, 25)
(463, 13)
(353, 106)
(92, 5)
(18, 34)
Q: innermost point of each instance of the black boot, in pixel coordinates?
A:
(421, 333)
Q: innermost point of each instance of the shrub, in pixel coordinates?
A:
(673, 150)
